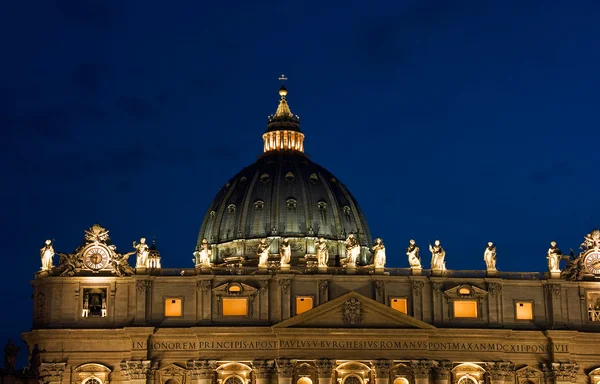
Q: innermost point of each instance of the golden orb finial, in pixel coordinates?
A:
(283, 91)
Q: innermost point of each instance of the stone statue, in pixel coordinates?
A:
(352, 249)
(143, 250)
(437, 256)
(554, 255)
(11, 352)
(203, 255)
(263, 253)
(322, 253)
(414, 260)
(591, 241)
(490, 256)
(120, 265)
(47, 253)
(285, 252)
(379, 253)
(35, 360)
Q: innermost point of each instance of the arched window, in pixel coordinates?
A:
(233, 380)
(352, 379)
(92, 380)
(400, 380)
(468, 379)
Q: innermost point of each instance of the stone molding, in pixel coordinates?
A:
(285, 367)
(561, 372)
(380, 287)
(495, 288)
(417, 286)
(421, 369)
(143, 285)
(382, 368)
(323, 285)
(284, 284)
(201, 369)
(500, 370)
(352, 311)
(325, 367)
(204, 285)
(553, 289)
(51, 372)
(137, 369)
(262, 368)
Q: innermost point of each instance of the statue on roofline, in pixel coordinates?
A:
(379, 255)
(352, 249)
(489, 256)
(262, 251)
(142, 252)
(47, 254)
(437, 256)
(285, 253)
(414, 260)
(322, 253)
(203, 254)
(554, 255)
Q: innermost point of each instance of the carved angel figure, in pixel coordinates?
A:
(591, 241)
(379, 253)
(414, 260)
(437, 256)
(263, 253)
(120, 264)
(554, 255)
(352, 249)
(203, 254)
(489, 256)
(322, 253)
(142, 251)
(285, 252)
(47, 253)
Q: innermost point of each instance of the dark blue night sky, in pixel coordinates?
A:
(467, 121)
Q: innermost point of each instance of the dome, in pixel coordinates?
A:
(283, 195)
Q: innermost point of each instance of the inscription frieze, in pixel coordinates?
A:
(390, 344)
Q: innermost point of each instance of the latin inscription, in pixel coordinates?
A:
(352, 344)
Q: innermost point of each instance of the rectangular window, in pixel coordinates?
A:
(235, 306)
(465, 308)
(524, 310)
(173, 307)
(399, 304)
(303, 304)
(593, 304)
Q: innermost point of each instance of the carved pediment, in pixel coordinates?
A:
(528, 372)
(465, 291)
(172, 370)
(353, 310)
(235, 289)
(91, 370)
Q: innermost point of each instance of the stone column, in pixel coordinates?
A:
(500, 372)
(325, 370)
(442, 372)
(137, 371)
(262, 371)
(421, 370)
(561, 373)
(51, 373)
(382, 371)
(285, 371)
(201, 371)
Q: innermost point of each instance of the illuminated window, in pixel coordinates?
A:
(524, 310)
(304, 380)
(173, 307)
(398, 304)
(400, 380)
(465, 308)
(235, 307)
(234, 289)
(303, 304)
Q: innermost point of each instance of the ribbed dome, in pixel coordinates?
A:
(283, 194)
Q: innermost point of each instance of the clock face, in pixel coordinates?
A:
(592, 263)
(95, 258)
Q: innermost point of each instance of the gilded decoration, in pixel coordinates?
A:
(352, 312)
(51, 372)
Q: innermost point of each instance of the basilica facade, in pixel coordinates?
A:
(286, 285)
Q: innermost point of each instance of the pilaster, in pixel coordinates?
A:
(201, 371)
(500, 372)
(553, 297)
(421, 370)
(284, 289)
(51, 373)
(442, 372)
(325, 370)
(285, 370)
(142, 288)
(262, 371)
(560, 373)
(382, 371)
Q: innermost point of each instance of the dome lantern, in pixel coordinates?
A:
(283, 129)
